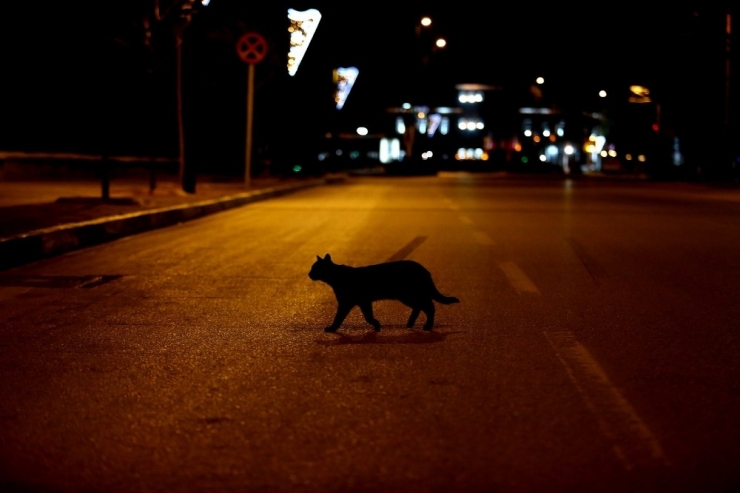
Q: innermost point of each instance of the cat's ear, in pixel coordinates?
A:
(319, 258)
(327, 257)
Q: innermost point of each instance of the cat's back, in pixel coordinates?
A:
(399, 269)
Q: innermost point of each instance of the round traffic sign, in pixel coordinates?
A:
(251, 47)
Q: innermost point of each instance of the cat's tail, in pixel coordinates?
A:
(445, 300)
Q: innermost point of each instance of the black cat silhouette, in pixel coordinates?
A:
(405, 280)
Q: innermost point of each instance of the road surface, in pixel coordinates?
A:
(595, 347)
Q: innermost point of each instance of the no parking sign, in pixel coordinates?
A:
(251, 47)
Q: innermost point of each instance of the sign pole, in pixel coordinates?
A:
(251, 48)
(250, 115)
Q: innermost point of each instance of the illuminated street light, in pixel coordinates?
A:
(540, 80)
(425, 22)
(441, 43)
(602, 93)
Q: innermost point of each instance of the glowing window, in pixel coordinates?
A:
(422, 125)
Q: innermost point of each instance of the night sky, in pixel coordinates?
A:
(77, 76)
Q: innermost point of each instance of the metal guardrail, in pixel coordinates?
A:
(103, 159)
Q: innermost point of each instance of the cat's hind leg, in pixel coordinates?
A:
(412, 318)
(428, 309)
(367, 311)
(342, 312)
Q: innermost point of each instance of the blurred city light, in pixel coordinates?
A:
(344, 78)
(362, 131)
(602, 93)
(639, 90)
(435, 119)
(302, 28)
(426, 21)
(441, 43)
(540, 80)
(390, 150)
(639, 94)
(421, 123)
(469, 97)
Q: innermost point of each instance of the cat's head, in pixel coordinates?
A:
(320, 268)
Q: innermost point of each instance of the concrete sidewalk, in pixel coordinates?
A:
(39, 219)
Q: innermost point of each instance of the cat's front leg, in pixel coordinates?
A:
(367, 311)
(342, 312)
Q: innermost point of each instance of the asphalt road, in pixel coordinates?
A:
(595, 347)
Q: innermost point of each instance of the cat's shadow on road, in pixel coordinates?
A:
(386, 336)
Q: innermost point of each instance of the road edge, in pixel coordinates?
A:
(43, 243)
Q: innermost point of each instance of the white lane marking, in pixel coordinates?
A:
(483, 239)
(632, 442)
(517, 278)
(465, 219)
(451, 204)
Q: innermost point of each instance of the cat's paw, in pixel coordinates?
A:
(330, 329)
(428, 328)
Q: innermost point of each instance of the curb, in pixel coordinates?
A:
(36, 245)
